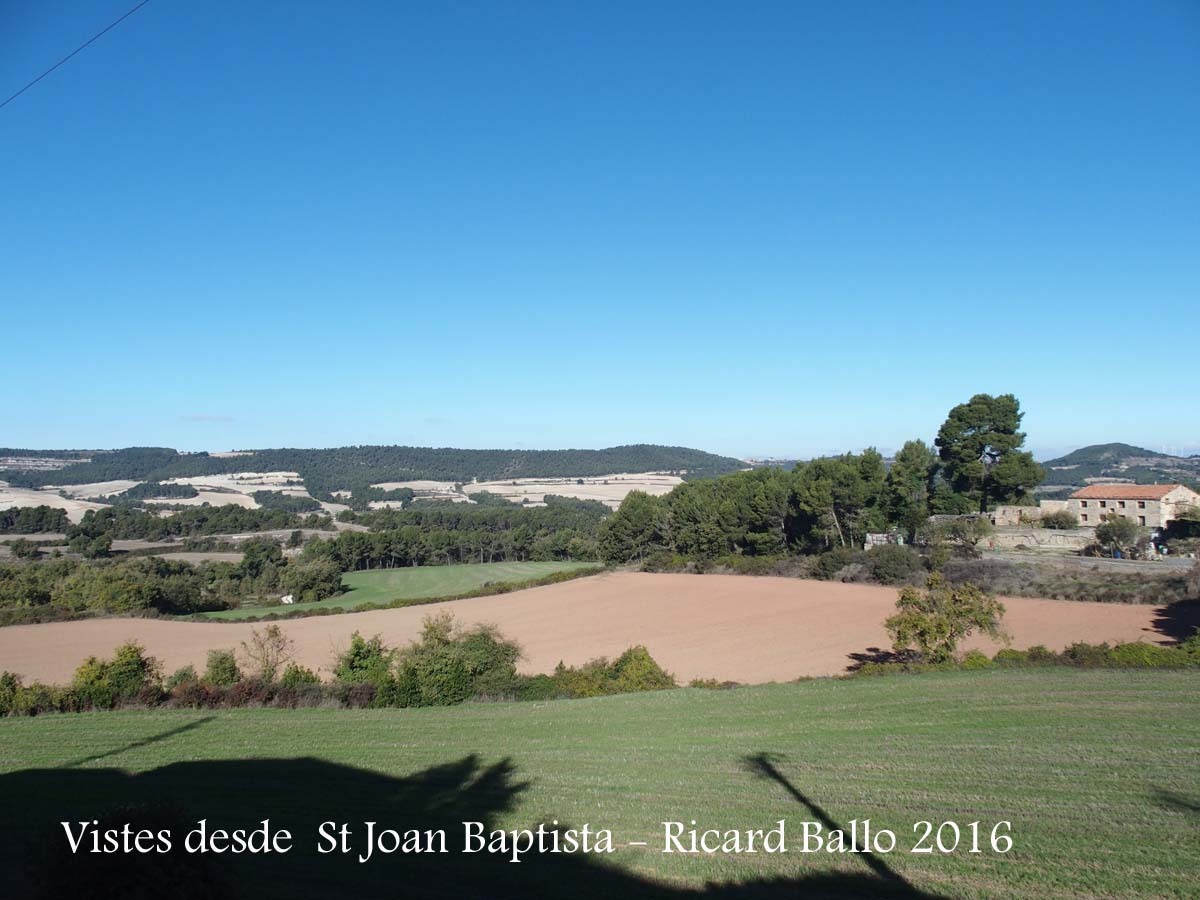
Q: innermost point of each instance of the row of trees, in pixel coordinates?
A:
(130, 523)
(413, 545)
(835, 501)
(441, 533)
(277, 500)
(149, 585)
(156, 490)
(33, 520)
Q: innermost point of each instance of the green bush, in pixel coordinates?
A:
(1010, 658)
(10, 684)
(894, 564)
(295, 676)
(1039, 653)
(1061, 519)
(537, 687)
(634, 670)
(905, 667)
(711, 684)
(130, 676)
(1087, 656)
(752, 565)
(665, 561)
(90, 684)
(1141, 655)
(975, 659)
(589, 680)
(448, 665)
(827, 566)
(222, 669)
(1191, 647)
(132, 673)
(182, 675)
(36, 698)
(365, 661)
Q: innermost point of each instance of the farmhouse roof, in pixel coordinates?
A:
(1124, 491)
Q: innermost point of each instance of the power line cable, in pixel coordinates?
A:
(83, 46)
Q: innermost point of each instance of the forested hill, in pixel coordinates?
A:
(344, 468)
(1119, 461)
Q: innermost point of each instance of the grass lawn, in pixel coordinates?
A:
(1096, 770)
(416, 583)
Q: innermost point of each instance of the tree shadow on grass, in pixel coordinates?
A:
(144, 742)
(299, 795)
(891, 883)
(1173, 800)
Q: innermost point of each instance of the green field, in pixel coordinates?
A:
(418, 583)
(1096, 770)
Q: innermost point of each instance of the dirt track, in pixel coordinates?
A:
(713, 626)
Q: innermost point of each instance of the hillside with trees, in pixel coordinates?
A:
(1123, 462)
(355, 468)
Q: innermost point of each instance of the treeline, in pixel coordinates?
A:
(155, 490)
(64, 588)
(350, 468)
(828, 503)
(130, 523)
(277, 500)
(444, 533)
(33, 520)
(836, 501)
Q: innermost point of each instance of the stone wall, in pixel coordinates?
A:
(1039, 539)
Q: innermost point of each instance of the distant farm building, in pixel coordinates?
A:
(1150, 505)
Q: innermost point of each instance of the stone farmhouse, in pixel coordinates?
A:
(1150, 505)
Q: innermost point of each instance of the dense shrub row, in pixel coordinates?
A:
(1081, 655)
(1056, 582)
(633, 671)
(448, 665)
(903, 565)
(891, 564)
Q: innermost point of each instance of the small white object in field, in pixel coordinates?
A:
(287, 598)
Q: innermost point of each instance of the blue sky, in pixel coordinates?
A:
(758, 228)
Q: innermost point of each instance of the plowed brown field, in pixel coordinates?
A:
(712, 626)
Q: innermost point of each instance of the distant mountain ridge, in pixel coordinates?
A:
(346, 468)
(1118, 462)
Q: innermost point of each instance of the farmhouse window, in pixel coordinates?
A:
(1104, 504)
(1083, 503)
(1141, 520)
(1084, 517)
(1121, 503)
(1141, 504)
